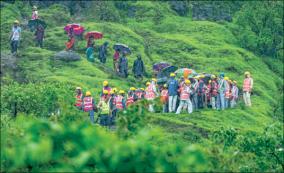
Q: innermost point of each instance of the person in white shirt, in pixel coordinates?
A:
(15, 37)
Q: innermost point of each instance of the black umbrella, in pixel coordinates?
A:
(34, 23)
(122, 48)
(165, 73)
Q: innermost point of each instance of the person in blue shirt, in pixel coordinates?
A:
(173, 92)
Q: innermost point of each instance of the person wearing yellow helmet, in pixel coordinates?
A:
(15, 37)
(139, 93)
(227, 92)
(104, 107)
(213, 91)
(79, 98)
(247, 88)
(120, 100)
(185, 97)
(112, 106)
(89, 105)
(131, 97)
(164, 97)
(106, 87)
(234, 94)
(151, 93)
(173, 85)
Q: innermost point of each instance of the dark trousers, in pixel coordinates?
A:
(200, 100)
(104, 119)
(39, 43)
(14, 46)
(113, 116)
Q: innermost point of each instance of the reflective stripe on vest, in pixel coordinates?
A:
(139, 94)
(164, 93)
(79, 100)
(184, 93)
(118, 102)
(247, 83)
(130, 100)
(88, 104)
(150, 94)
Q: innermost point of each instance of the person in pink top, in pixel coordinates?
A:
(247, 88)
(35, 13)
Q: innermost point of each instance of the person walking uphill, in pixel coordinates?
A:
(103, 52)
(247, 88)
(123, 65)
(172, 89)
(89, 105)
(79, 98)
(138, 68)
(15, 37)
(185, 97)
(39, 36)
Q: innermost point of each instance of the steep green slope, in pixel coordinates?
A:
(209, 46)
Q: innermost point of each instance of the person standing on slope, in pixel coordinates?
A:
(104, 107)
(138, 68)
(227, 92)
(34, 13)
(221, 92)
(151, 93)
(89, 105)
(185, 97)
(103, 52)
(213, 91)
(120, 101)
(39, 35)
(234, 94)
(15, 37)
(173, 92)
(165, 98)
(79, 98)
(247, 88)
(123, 65)
(116, 56)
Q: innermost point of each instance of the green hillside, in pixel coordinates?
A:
(240, 139)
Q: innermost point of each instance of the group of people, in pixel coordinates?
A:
(15, 34)
(175, 96)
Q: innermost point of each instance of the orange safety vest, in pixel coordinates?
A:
(88, 104)
(228, 91)
(79, 100)
(118, 102)
(129, 101)
(150, 94)
(184, 93)
(247, 85)
(164, 96)
(139, 94)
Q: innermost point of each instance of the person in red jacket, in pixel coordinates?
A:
(79, 98)
(164, 97)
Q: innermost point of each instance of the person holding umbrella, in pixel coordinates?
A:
(138, 67)
(15, 37)
(123, 65)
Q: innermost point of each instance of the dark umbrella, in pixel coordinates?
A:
(34, 23)
(165, 73)
(160, 65)
(95, 34)
(122, 48)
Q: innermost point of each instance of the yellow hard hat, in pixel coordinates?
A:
(78, 88)
(210, 81)
(247, 73)
(105, 83)
(202, 76)
(154, 79)
(132, 89)
(16, 21)
(142, 89)
(226, 78)
(230, 81)
(213, 76)
(148, 83)
(111, 92)
(172, 75)
(88, 93)
(196, 77)
(187, 81)
(121, 92)
(114, 90)
(105, 91)
(165, 85)
(235, 82)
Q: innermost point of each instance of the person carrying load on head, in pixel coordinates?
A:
(234, 94)
(131, 97)
(104, 107)
(247, 88)
(79, 98)
(120, 100)
(173, 92)
(185, 97)
(164, 98)
(15, 37)
(213, 91)
(89, 105)
(221, 92)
